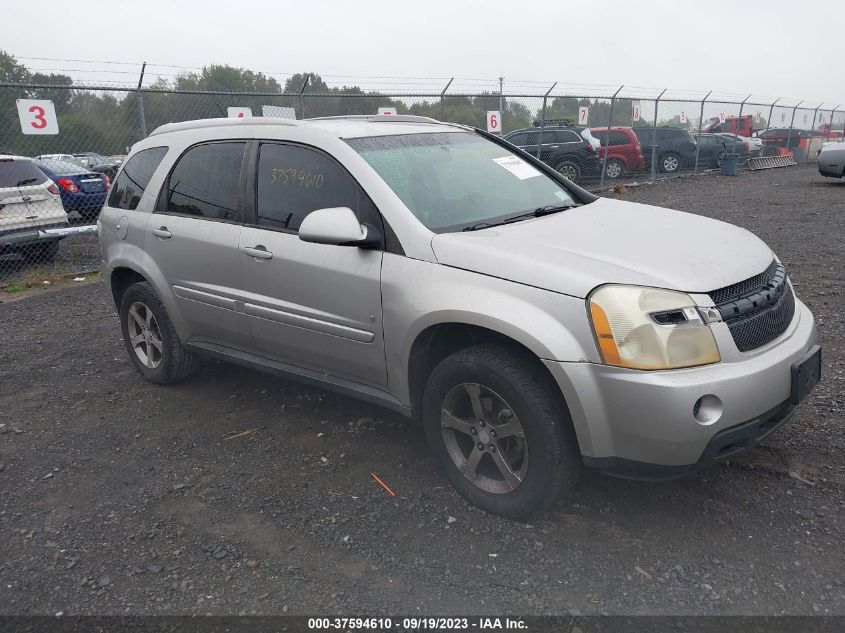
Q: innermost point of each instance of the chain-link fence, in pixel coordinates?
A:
(62, 145)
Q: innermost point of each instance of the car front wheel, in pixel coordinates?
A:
(500, 435)
(150, 338)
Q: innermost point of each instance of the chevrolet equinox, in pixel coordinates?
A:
(439, 271)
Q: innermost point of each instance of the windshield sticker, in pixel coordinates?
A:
(517, 167)
(563, 195)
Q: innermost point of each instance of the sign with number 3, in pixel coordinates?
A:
(38, 116)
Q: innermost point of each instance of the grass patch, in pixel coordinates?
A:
(39, 281)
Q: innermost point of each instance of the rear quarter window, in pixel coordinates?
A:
(133, 179)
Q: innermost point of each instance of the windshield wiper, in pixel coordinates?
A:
(536, 213)
(26, 181)
(539, 212)
(481, 225)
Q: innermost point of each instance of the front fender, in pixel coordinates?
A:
(552, 325)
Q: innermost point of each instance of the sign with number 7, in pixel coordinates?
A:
(38, 116)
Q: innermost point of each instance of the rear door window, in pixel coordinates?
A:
(206, 182)
(133, 179)
(19, 173)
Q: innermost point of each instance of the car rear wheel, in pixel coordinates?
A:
(670, 162)
(498, 432)
(615, 168)
(150, 338)
(569, 170)
(719, 159)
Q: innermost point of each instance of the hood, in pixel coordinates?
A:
(610, 241)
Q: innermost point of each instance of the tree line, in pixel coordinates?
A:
(109, 121)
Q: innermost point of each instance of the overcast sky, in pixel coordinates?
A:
(771, 48)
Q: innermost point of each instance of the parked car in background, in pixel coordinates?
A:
(752, 145)
(100, 164)
(29, 202)
(68, 157)
(81, 190)
(832, 160)
(570, 150)
(711, 149)
(624, 154)
(675, 147)
(803, 144)
(531, 326)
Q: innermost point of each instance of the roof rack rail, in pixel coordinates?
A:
(401, 118)
(545, 122)
(221, 122)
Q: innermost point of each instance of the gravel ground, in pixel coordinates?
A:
(122, 497)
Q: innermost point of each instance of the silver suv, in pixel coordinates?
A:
(437, 270)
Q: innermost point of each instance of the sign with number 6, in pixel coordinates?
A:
(494, 121)
(38, 116)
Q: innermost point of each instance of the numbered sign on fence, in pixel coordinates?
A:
(721, 117)
(38, 116)
(494, 121)
(238, 113)
(682, 117)
(583, 115)
(636, 112)
(387, 111)
(758, 117)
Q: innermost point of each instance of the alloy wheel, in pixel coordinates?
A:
(144, 335)
(484, 438)
(670, 163)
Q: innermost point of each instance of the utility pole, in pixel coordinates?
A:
(501, 101)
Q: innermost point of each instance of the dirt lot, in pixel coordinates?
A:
(118, 496)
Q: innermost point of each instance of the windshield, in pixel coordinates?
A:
(19, 173)
(452, 180)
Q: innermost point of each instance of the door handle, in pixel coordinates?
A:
(162, 232)
(258, 252)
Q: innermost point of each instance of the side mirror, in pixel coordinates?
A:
(337, 225)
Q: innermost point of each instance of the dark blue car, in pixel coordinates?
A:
(81, 190)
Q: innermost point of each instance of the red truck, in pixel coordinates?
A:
(742, 126)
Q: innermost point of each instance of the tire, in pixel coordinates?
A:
(615, 168)
(719, 159)
(41, 252)
(569, 170)
(669, 162)
(157, 354)
(540, 448)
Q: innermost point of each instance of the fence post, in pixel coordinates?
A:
(698, 139)
(142, 120)
(739, 120)
(654, 137)
(771, 112)
(302, 97)
(791, 123)
(607, 137)
(813, 126)
(442, 93)
(543, 120)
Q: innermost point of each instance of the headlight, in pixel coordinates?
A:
(650, 328)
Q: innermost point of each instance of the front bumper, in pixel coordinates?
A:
(643, 424)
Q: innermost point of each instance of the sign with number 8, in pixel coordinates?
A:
(37, 116)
